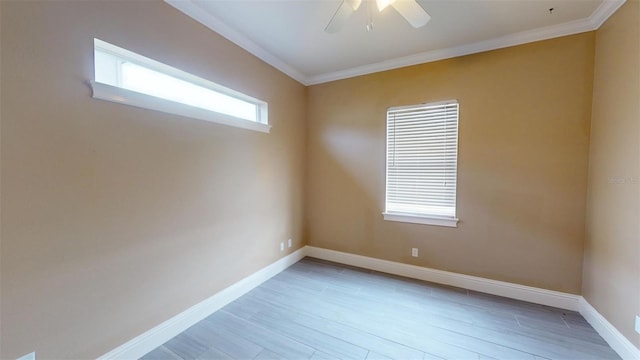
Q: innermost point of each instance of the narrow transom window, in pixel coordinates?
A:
(126, 77)
(422, 154)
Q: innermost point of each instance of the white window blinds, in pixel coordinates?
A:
(422, 152)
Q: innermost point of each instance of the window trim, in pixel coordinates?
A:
(133, 98)
(420, 219)
(413, 217)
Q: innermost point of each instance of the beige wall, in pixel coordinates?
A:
(116, 218)
(611, 280)
(523, 146)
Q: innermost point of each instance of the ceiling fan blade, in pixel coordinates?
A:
(412, 11)
(344, 12)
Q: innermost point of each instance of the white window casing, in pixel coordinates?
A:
(128, 78)
(421, 163)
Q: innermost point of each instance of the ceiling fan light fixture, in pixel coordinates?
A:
(409, 9)
(382, 4)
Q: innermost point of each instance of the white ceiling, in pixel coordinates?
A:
(289, 34)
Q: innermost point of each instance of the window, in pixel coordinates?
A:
(126, 77)
(422, 152)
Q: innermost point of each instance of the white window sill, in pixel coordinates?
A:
(133, 98)
(417, 219)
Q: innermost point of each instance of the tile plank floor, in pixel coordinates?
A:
(322, 310)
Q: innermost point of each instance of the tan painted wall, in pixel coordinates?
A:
(523, 135)
(611, 281)
(116, 218)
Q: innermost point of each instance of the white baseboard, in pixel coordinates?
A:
(151, 339)
(609, 333)
(500, 288)
(618, 342)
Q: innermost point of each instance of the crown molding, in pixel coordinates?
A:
(569, 28)
(191, 9)
(593, 22)
(604, 11)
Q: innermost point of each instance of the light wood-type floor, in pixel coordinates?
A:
(321, 310)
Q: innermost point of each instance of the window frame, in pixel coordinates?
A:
(421, 218)
(117, 94)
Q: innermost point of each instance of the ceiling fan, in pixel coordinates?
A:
(409, 9)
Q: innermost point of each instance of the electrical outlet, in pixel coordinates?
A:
(282, 246)
(638, 324)
(414, 252)
(289, 242)
(31, 356)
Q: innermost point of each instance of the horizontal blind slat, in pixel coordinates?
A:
(422, 143)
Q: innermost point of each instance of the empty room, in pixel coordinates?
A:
(320, 179)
